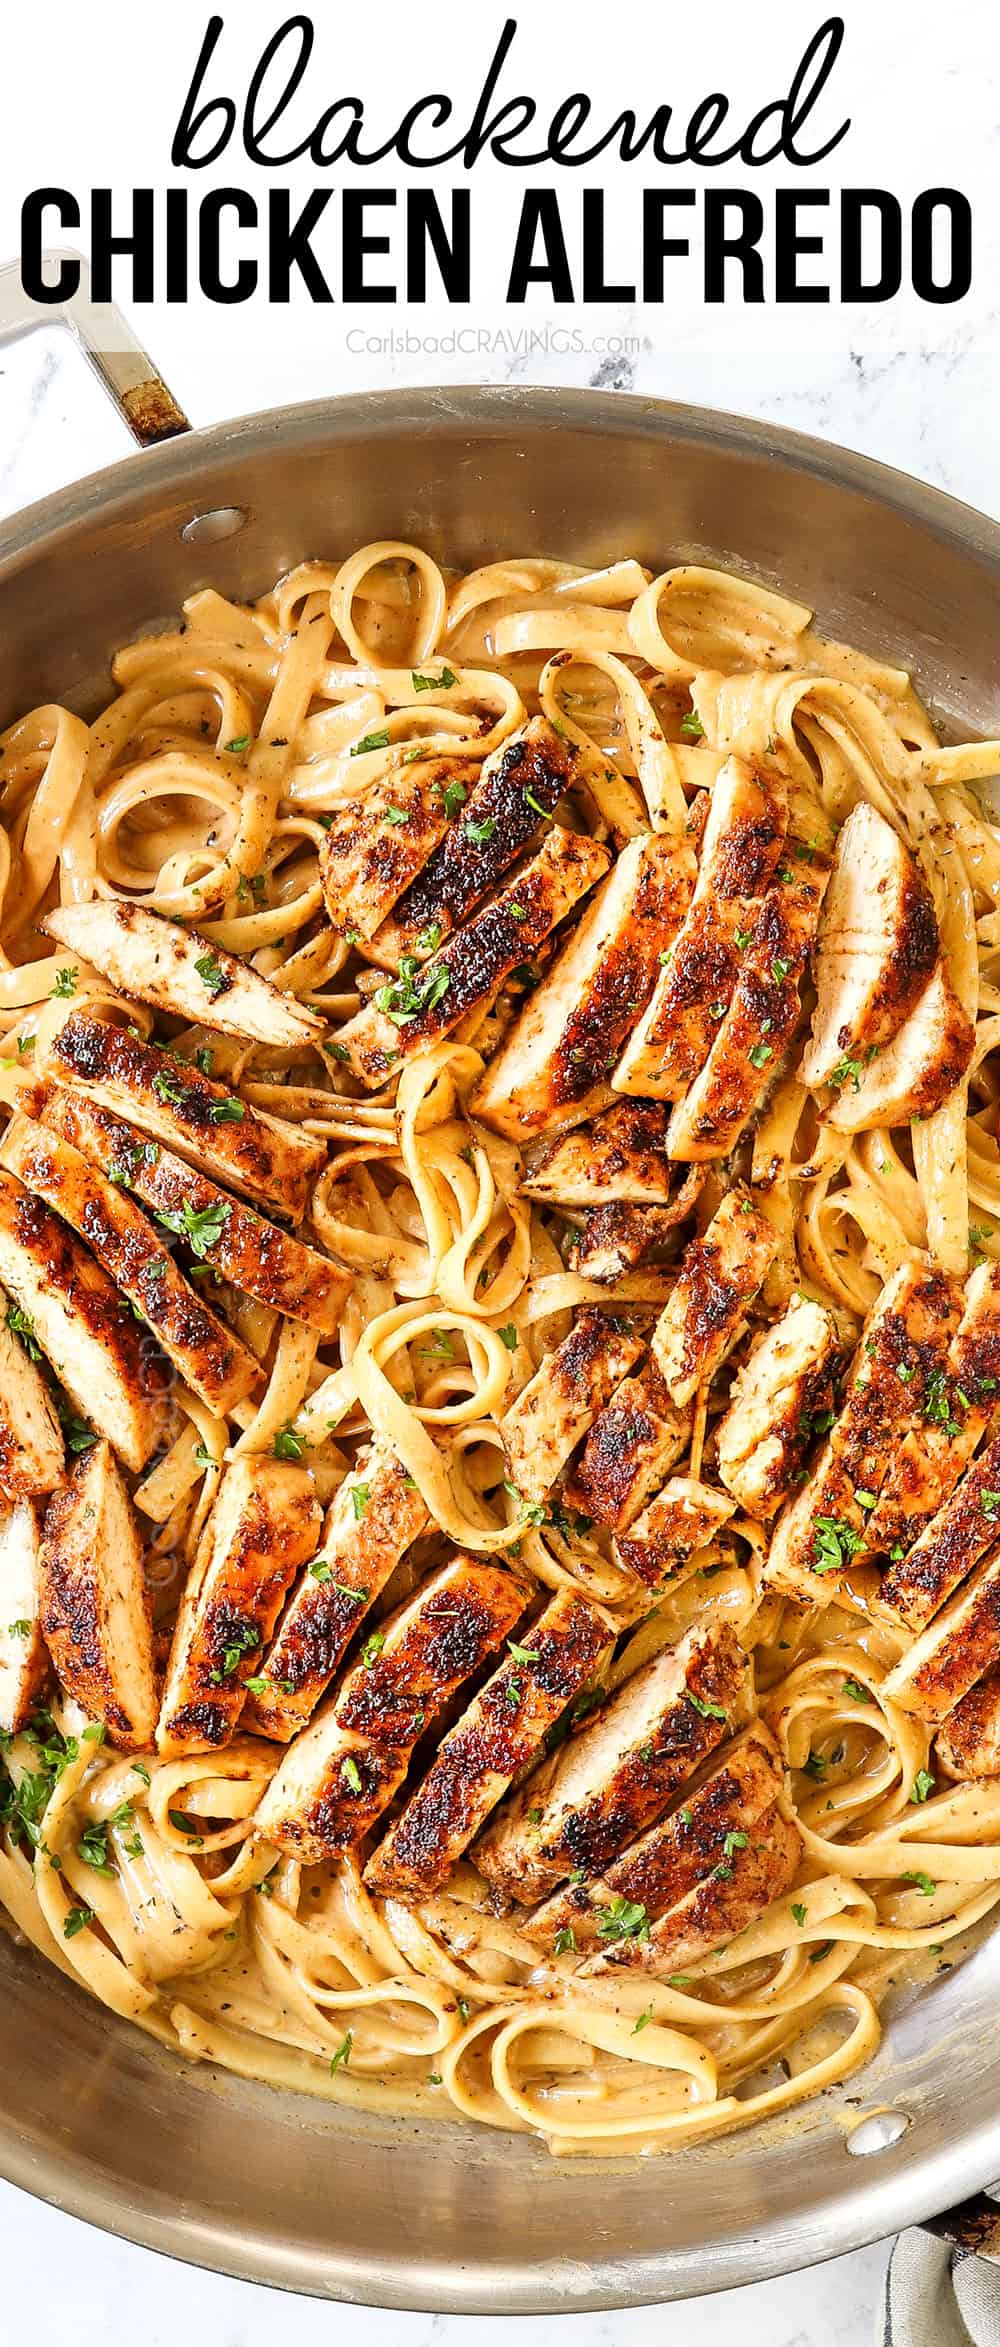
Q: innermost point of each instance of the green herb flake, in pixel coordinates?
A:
(341, 2059)
(77, 1920)
(351, 1773)
(212, 974)
(287, 1444)
(923, 1882)
(370, 741)
(564, 1943)
(65, 985)
(360, 1496)
(922, 1786)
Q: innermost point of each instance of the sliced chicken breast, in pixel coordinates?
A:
(960, 1645)
(969, 1743)
(554, 1410)
(174, 1102)
(376, 844)
(916, 1072)
(955, 1410)
(497, 1736)
(740, 849)
(616, 1239)
(902, 1355)
(719, 1277)
(738, 1890)
(429, 999)
(756, 1029)
(780, 1401)
(31, 1443)
(95, 1613)
(506, 803)
(585, 1804)
(263, 1528)
(681, 1519)
(376, 1516)
(80, 1323)
(209, 1358)
(920, 1580)
(240, 1246)
(877, 947)
(632, 1445)
(618, 1160)
(177, 971)
(24, 1660)
(665, 1866)
(557, 1059)
(340, 1773)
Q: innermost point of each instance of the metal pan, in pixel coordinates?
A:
(96, 2118)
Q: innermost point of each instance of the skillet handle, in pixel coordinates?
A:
(973, 2225)
(114, 354)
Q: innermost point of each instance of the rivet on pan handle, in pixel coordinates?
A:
(973, 2225)
(113, 352)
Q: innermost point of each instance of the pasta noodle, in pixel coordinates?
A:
(204, 791)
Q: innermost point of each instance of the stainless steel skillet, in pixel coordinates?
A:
(95, 2118)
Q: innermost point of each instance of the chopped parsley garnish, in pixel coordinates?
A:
(779, 969)
(816, 1766)
(204, 1458)
(522, 1653)
(537, 807)
(478, 833)
(856, 1692)
(21, 1324)
(211, 973)
(430, 938)
(77, 1920)
(759, 1055)
(867, 1500)
(625, 1919)
(938, 1403)
(741, 939)
(565, 1941)
(360, 1496)
(430, 684)
(242, 1641)
(414, 992)
(65, 985)
(453, 797)
(835, 1544)
(226, 1112)
(351, 1773)
(341, 2058)
(235, 748)
(989, 1501)
(397, 815)
(79, 1436)
(708, 1711)
(19, 1629)
(188, 1826)
(923, 1784)
(372, 1647)
(287, 1444)
(202, 1228)
(824, 1949)
(643, 2021)
(169, 1088)
(370, 741)
(508, 1336)
(847, 1071)
(692, 727)
(923, 1882)
(799, 1913)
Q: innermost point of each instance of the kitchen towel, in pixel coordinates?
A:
(936, 2296)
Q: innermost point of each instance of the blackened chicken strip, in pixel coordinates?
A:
(741, 845)
(556, 1062)
(376, 844)
(898, 1364)
(619, 1159)
(780, 1400)
(210, 1359)
(719, 1277)
(375, 1517)
(264, 1525)
(554, 1410)
(633, 1443)
(429, 999)
(497, 1736)
(668, 1862)
(877, 946)
(87, 1332)
(171, 1099)
(583, 1806)
(254, 1255)
(758, 1025)
(94, 1607)
(340, 1773)
(506, 803)
(681, 1519)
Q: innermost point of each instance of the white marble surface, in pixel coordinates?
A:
(916, 388)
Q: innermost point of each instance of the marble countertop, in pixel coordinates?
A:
(927, 407)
